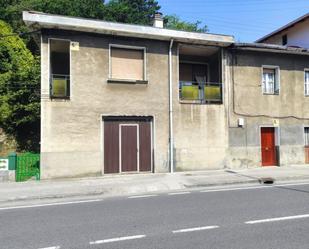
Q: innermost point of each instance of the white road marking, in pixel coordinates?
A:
(278, 219)
(50, 204)
(51, 247)
(117, 239)
(193, 229)
(179, 193)
(140, 196)
(252, 187)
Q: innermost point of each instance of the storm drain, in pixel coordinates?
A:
(266, 180)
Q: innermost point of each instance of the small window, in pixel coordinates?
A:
(306, 82)
(284, 40)
(59, 68)
(306, 135)
(127, 64)
(270, 81)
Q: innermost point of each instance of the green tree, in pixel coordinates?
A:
(131, 11)
(19, 91)
(174, 22)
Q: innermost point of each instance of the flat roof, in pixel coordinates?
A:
(39, 20)
(290, 24)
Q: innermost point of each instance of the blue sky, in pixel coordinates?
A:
(247, 20)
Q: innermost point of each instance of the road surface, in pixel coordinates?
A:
(244, 217)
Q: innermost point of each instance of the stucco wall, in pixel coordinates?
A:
(200, 130)
(71, 140)
(298, 35)
(259, 110)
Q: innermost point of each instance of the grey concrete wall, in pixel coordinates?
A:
(71, 140)
(200, 130)
(259, 110)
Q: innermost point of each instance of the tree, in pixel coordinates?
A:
(131, 11)
(19, 91)
(174, 22)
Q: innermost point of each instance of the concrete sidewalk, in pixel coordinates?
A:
(117, 185)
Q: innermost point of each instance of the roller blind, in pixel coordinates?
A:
(127, 63)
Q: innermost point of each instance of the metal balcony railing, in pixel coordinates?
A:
(204, 92)
(60, 86)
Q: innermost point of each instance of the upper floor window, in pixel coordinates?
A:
(270, 80)
(127, 63)
(307, 82)
(59, 68)
(284, 40)
(194, 85)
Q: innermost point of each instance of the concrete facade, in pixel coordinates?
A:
(206, 135)
(285, 111)
(72, 143)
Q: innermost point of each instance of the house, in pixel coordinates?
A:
(295, 33)
(121, 98)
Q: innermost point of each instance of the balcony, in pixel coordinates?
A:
(203, 92)
(60, 86)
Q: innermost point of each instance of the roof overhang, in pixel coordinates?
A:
(38, 20)
(270, 48)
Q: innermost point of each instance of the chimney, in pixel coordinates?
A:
(158, 20)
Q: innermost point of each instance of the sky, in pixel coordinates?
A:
(246, 20)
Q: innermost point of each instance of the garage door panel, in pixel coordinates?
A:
(145, 146)
(111, 147)
(129, 147)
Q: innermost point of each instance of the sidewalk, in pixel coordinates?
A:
(117, 185)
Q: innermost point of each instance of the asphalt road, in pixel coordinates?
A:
(270, 217)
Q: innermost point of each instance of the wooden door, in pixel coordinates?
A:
(268, 146)
(111, 147)
(129, 147)
(145, 149)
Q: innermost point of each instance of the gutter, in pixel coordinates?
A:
(171, 135)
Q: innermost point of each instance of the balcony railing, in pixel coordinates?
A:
(60, 86)
(205, 92)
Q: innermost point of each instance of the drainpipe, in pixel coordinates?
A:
(171, 135)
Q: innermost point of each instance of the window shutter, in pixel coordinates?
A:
(127, 63)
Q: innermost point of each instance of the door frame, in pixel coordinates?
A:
(137, 146)
(152, 121)
(277, 134)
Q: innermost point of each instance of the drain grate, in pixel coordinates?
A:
(266, 180)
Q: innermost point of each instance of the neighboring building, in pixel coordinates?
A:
(120, 98)
(295, 33)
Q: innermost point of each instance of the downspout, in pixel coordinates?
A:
(171, 135)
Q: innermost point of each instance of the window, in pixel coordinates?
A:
(306, 82)
(270, 81)
(284, 40)
(306, 134)
(59, 68)
(127, 63)
(193, 85)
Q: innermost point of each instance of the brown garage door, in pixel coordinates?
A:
(127, 144)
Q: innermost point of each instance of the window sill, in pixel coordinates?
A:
(127, 81)
(201, 102)
(59, 98)
(277, 94)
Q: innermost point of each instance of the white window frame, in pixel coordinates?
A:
(277, 79)
(306, 70)
(49, 65)
(111, 45)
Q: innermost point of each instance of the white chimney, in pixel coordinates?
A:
(158, 20)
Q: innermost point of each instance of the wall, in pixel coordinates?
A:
(261, 110)
(200, 130)
(71, 143)
(298, 35)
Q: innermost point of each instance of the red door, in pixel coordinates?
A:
(268, 146)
